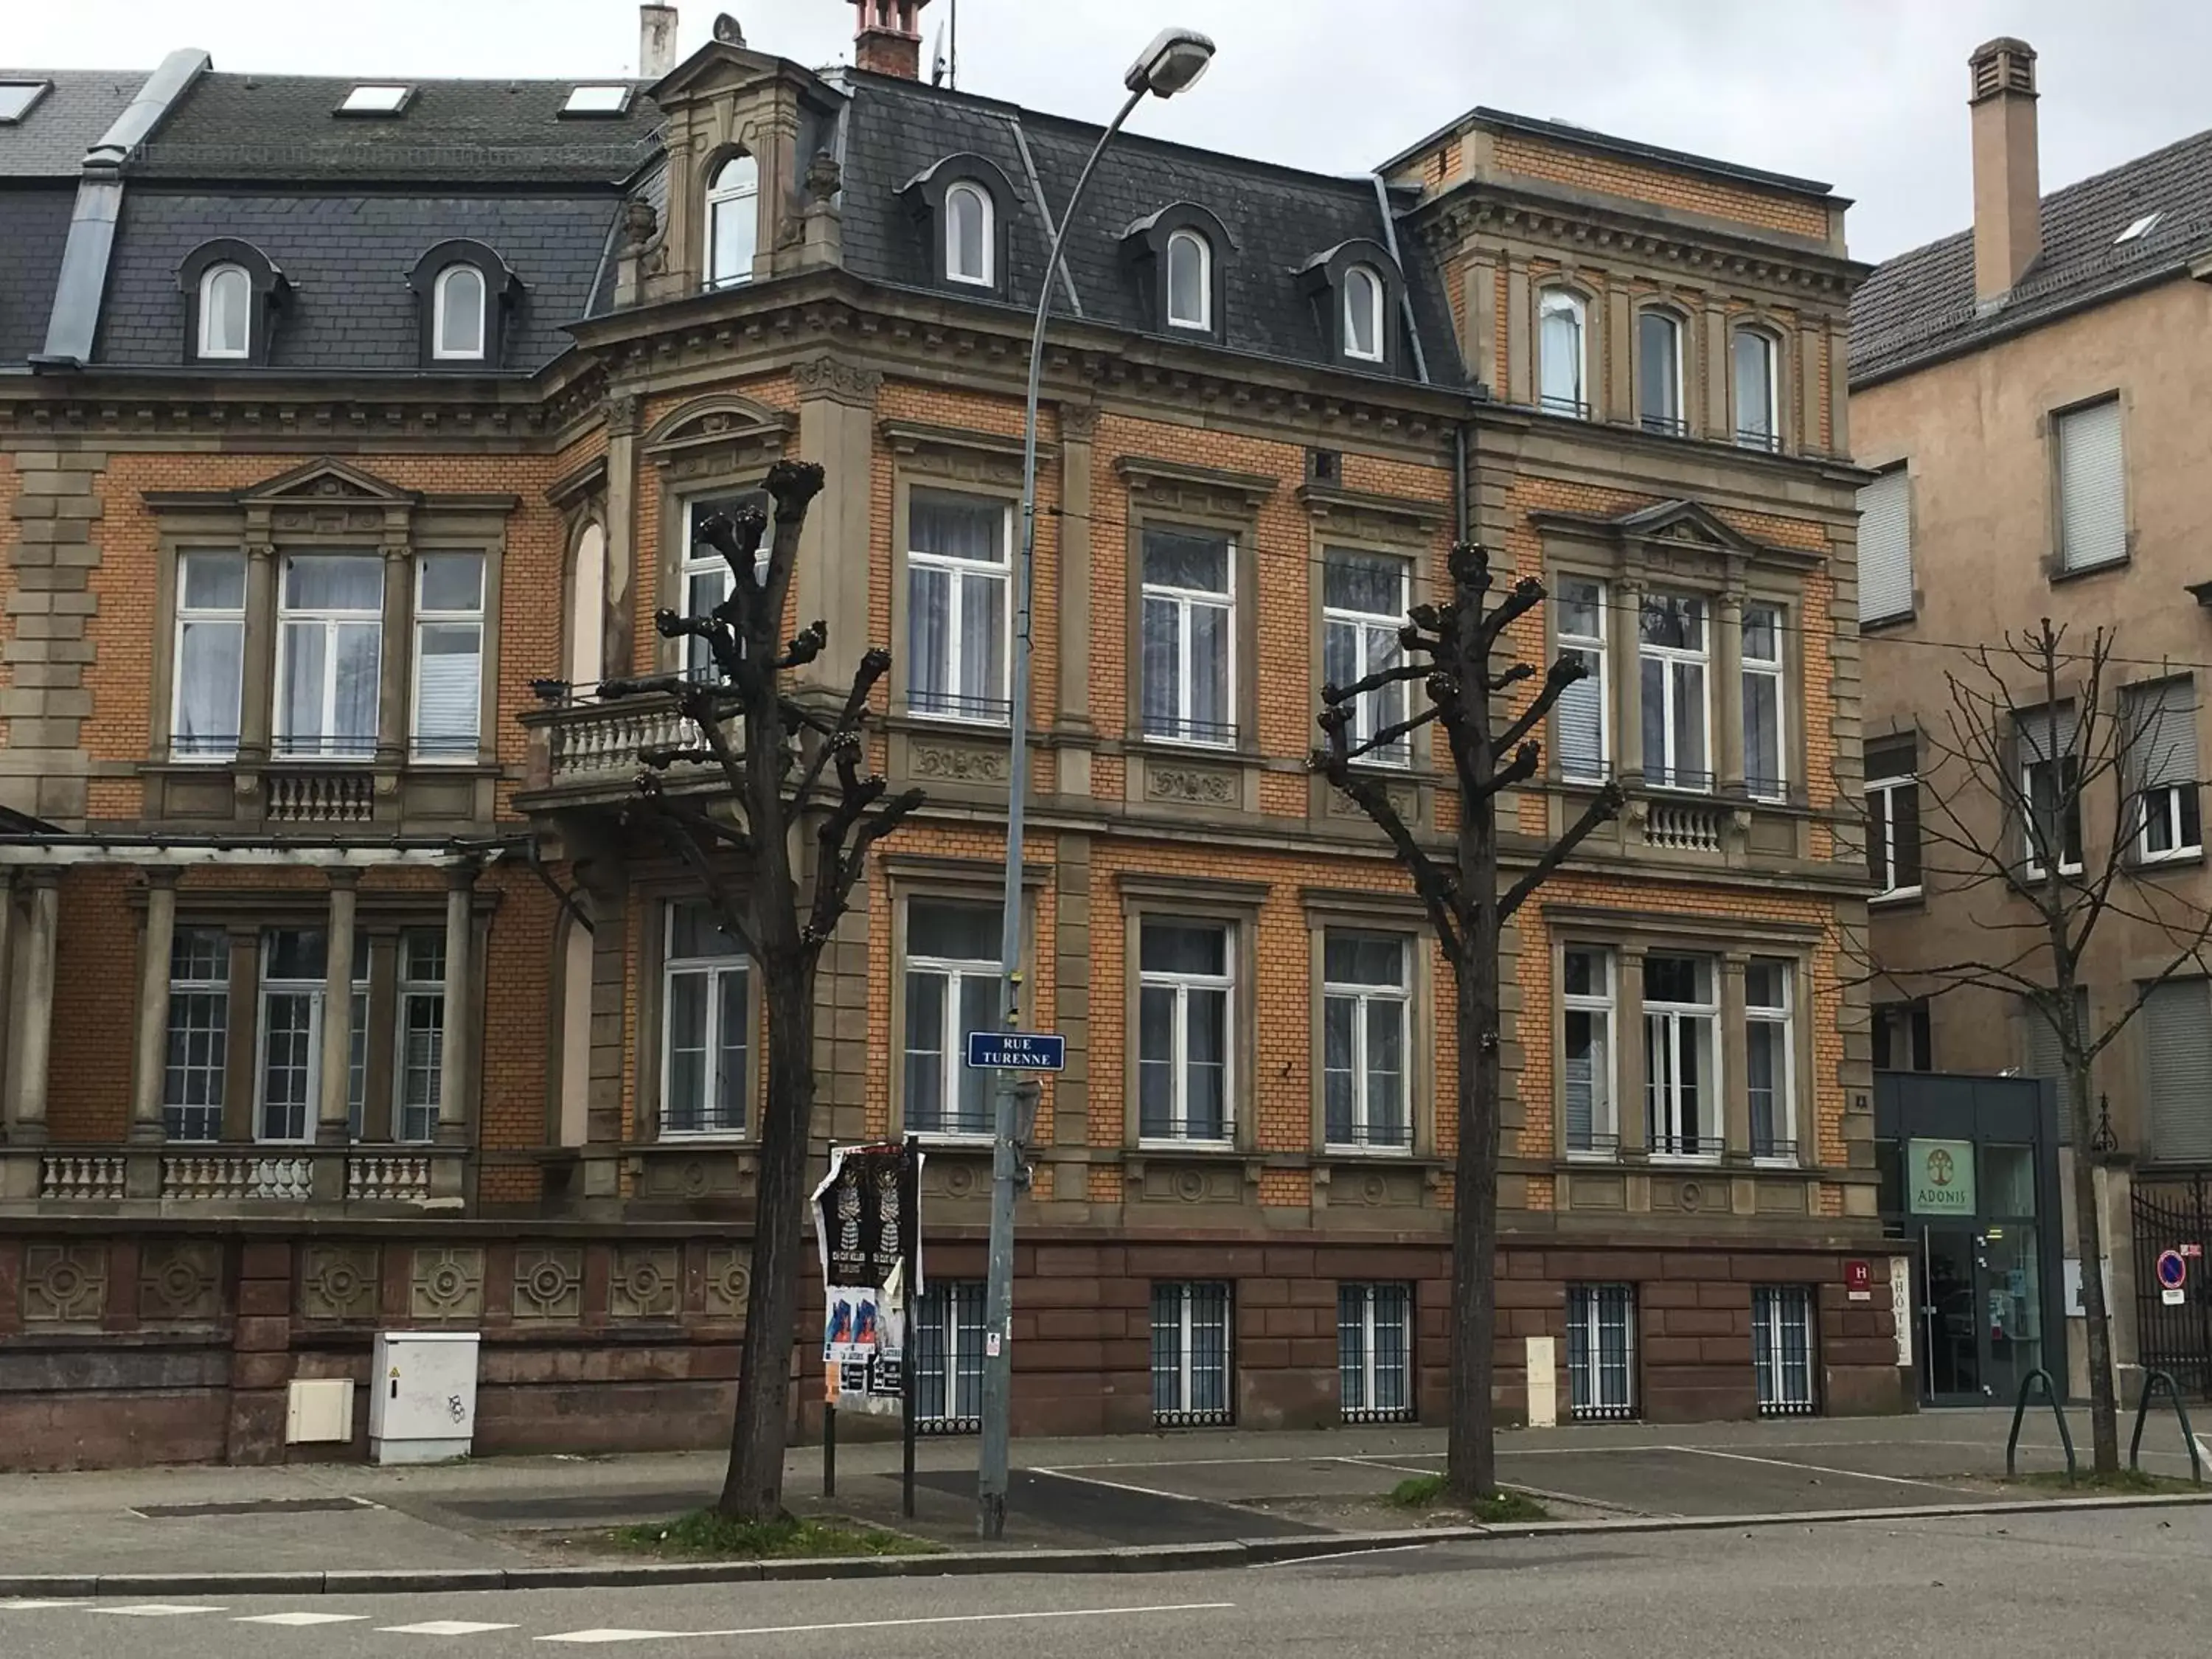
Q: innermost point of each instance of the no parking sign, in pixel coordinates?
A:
(2172, 1278)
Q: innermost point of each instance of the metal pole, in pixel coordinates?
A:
(912, 1209)
(999, 1294)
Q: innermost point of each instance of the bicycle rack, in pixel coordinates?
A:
(2065, 1436)
(2151, 1380)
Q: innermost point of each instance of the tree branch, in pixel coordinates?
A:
(1603, 805)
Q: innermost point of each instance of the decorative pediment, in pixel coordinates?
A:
(719, 436)
(719, 67)
(1677, 535)
(326, 481)
(1178, 487)
(959, 454)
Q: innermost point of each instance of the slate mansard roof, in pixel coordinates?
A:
(68, 119)
(1920, 306)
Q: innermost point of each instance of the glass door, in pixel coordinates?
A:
(2011, 1300)
(1951, 1313)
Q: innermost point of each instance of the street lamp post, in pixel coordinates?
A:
(1175, 59)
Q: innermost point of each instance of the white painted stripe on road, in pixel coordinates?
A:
(27, 1606)
(1122, 1486)
(1377, 1463)
(158, 1610)
(885, 1623)
(440, 1627)
(300, 1620)
(1809, 1468)
(1353, 1555)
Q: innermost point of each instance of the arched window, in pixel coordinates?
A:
(969, 245)
(1561, 377)
(1363, 314)
(732, 222)
(1191, 281)
(226, 312)
(457, 317)
(1659, 372)
(1758, 425)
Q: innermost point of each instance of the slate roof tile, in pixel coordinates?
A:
(33, 225)
(51, 141)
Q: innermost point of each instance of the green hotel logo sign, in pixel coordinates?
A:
(1940, 1177)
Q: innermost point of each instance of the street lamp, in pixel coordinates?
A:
(1172, 64)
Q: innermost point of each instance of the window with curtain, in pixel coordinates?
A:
(1672, 650)
(225, 310)
(2050, 789)
(210, 651)
(448, 655)
(1562, 374)
(2178, 1043)
(1770, 1059)
(958, 606)
(952, 972)
(421, 1032)
(1363, 600)
(2044, 1053)
(1191, 281)
(2160, 733)
(1363, 314)
(705, 1017)
(1189, 628)
(1579, 716)
(732, 222)
(1366, 1008)
(1758, 424)
(1375, 1352)
(198, 1049)
(1892, 796)
(1593, 1128)
(1885, 547)
(2093, 497)
(330, 645)
(1182, 1030)
(1763, 769)
(1659, 372)
(969, 253)
(1190, 1354)
(1681, 1017)
(456, 325)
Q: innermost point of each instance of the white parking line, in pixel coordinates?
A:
(440, 1627)
(157, 1610)
(300, 1620)
(28, 1606)
(1119, 1485)
(591, 1636)
(1809, 1468)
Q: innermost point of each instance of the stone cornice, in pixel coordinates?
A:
(1149, 473)
(1332, 503)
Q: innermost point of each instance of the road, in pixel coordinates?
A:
(2114, 1581)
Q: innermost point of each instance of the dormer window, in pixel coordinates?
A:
(226, 312)
(16, 98)
(1363, 314)
(1358, 295)
(376, 98)
(232, 292)
(1190, 281)
(732, 222)
(1177, 256)
(458, 322)
(466, 295)
(967, 235)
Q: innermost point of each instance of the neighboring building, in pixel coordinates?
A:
(2029, 393)
(363, 440)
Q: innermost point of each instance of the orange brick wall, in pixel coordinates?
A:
(1559, 164)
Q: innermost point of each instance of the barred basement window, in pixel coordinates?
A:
(1781, 1349)
(1373, 1353)
(199, 1034)
(1601, 1350)
(948, 1348)
(1190, 1355)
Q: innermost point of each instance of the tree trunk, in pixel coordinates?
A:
(753, 1488)
(1471, 1465)
(2104, 1404)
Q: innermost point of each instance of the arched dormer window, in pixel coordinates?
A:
(465, 297)
(1180, 256)
(1562, 354)
(1363, 314)
(732, 222)
(1191, 281)
(232, 292)
(970, 238)
(1359, 296)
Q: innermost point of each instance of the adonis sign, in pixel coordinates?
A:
(1940, 1177)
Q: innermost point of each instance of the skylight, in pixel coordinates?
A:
(2140, 228)
(16, 98)
(376, 98)
(596, 101)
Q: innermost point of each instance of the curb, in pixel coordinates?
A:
(1132, 1558)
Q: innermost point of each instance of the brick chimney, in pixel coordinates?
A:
(2008, 223)
(888, 40)
(656, 41)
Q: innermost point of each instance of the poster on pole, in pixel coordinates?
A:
(867, 1224)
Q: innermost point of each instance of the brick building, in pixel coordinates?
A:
(355, 437)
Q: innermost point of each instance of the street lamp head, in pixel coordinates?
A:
(1175, 58)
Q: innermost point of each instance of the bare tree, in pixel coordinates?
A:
(765, 766)
(1449, 648)
(2031, 778)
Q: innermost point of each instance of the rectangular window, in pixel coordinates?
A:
(1364, 601)
(2177, 1042)
(1183, 1040)
(204, 709)
(2044, 1053)
(948, 1354)
(1601, 1350)
(292, 981)
(1682, 1095)
(1375, 1352)
(422, 1059)
(1190, 1355)
(705, 1017)
(1579, 715)
(1902, 1037)
(1764, 771)
(1365, 1007)
(2160, 733)
(1756, 395)
(1592, 1129)
(958, 606)
(199, 1034)
(1892, 796)
(1781, 1349)
(706, 573)
(1770, 1058)
(2049, 790)
(1672, 648)
(449, 629)
(953, 974)
(329, 650)
(1188, 645)
(1885, 547)
(1659, 372)
(2092, 500)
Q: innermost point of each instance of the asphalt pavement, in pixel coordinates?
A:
(2014, 1587)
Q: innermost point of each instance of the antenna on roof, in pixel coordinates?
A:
(952, 62)
(937, 59)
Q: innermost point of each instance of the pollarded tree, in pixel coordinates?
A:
(767, 770)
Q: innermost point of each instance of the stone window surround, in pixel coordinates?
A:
(1235, 904)
(1322, 280)
(655, 894)
(1327, 909)
(718, 448)
(1354, 522)
(271, 291)
(1145, 247)
(1594, 344)
(2047, 431)
(1756, 320)
(502, 298)
(1731, 942)
(1686, 362)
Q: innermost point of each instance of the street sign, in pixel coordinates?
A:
(2193, 1252)
(2173, 1276)
(1017, 1051)
(1858, 1280)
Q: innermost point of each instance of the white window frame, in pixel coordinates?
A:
(1779, 1018)
(952, 1040)
(1669, 1026)
(1368, 710)
(205, 616)
(1676, 423)
(1363, 996)
(1371, 306)
(1564, 302)
(1181, 1300)
(333, 622)
(1590, 647)
(2062, 723)
(714, 970)
(1776, 1311)
(1605, 1097)
(740, 196)
(959, 572)
(1676, 661)
(698, 659)
(1181, 985)
(1591, 1395)
(417, 991)
(463, 751)
(1882, 795)
(1363, 1310)
(441, 307)
(311, 992)
(1203, 323)
(1185, 601)
(1773, 670)
(211, 350)
(969, 190)
(2161, 805)
(1747, 436)
(189, 992)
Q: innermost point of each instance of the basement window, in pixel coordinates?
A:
(376, 98)
(596, 101)
(16, 98)
(2141, 228)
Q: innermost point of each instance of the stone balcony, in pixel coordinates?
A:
(220, 1180)
(585, 753)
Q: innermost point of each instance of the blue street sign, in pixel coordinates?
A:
(2172, 1270)
(1017, 1051)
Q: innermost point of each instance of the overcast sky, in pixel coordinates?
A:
(1868, 94)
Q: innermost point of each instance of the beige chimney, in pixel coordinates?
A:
(656, 41)
(2008, 221)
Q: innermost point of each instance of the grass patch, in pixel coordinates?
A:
(703, 1534)
(1426, 1491)
(2126, 1480)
